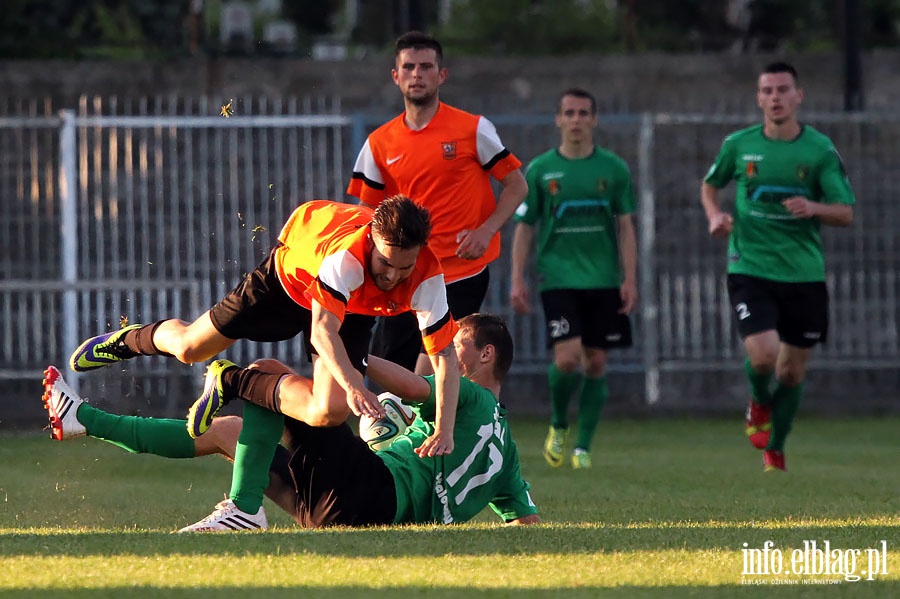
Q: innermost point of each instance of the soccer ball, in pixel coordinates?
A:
(380, 433)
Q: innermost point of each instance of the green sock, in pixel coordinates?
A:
(786, 402)
(594, 394)
(562, 386)
(158, 436)
(759, 384)
(260, 434)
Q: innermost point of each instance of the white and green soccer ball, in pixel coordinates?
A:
(379, 433)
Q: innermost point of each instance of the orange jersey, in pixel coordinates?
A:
(324, 257)
(445, 167)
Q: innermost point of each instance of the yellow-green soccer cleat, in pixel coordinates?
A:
(201, 414)
(102, 350)
(555, 446)
(581, 459)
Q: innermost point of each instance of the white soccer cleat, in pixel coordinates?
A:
(228, 518)
(62, 404)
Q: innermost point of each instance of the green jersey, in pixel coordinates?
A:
(574, 204)
(482, 470)
(767, 240)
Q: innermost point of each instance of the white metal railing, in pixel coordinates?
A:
(168, 205)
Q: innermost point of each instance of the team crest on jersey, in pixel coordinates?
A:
(802, 172)
(752, 169)
(553, 187)
(449, 149)
(602, 186)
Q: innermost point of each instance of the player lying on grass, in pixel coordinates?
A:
(327, 476)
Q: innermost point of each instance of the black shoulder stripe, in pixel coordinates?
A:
(438, 325)
(332, 292)
(369, 182)
(500, 156)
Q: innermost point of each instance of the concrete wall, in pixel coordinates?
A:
(623, 83)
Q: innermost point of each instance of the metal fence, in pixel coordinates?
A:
(139, 211)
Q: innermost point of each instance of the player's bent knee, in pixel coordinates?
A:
(567, 365)
(271, 366)
(790, 377)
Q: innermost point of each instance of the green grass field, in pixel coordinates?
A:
(665, 512)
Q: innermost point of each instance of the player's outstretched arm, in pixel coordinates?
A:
(446, 390)
(398, 380)
(326, 339)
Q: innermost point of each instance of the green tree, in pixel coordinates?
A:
(530, 27)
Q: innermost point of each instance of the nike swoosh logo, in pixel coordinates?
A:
(391, 161)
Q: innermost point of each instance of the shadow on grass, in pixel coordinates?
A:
(465, 540)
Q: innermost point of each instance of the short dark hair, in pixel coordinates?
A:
(577, 92)
(402, 223)
(490, 329)
(781, 67)
(416, 40)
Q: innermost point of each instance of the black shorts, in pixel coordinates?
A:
(330, 477)
(259, 309)
(398, 338)
(797, 311)
(592, 314)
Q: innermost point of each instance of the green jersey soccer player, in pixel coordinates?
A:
(579, 207)
(790, 180)
(326, 476)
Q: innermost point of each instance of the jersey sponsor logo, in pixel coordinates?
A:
(391, 161)
(558, 328)
(752, 157)
(581, 208)
(774, 194)
(449, 149)
(441, 491)
(552, 175)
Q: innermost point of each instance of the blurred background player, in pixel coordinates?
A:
(328, 476)
(580, 200)
(444, 159)
(790, 181)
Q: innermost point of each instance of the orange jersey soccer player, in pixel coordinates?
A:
(335, 267)
(443, 158)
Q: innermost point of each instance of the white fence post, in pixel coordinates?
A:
(68, 231)
(649, 300)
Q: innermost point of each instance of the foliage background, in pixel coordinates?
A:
(129, 29)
